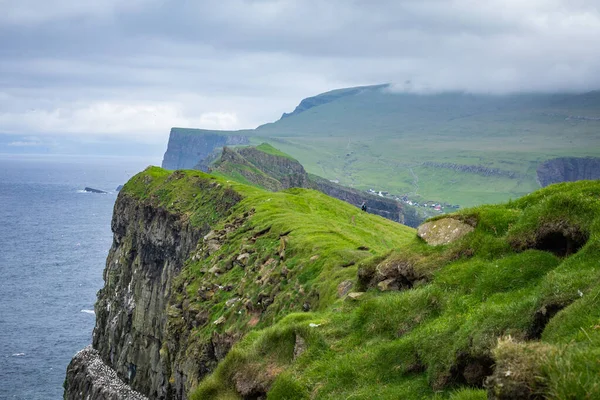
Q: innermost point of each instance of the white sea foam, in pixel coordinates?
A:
(18, 354)
(88, 311)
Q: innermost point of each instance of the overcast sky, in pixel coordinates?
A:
(134, 68)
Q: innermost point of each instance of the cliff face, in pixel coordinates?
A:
(131, 340)
(568, 169)
(195, 265)
(188, 148)
(268, 168)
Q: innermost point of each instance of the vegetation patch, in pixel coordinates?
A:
(492, 314)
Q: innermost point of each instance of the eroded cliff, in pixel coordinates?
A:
(271, 169)
(294, 294)
(568, 169)
(194, 148)
(154, 234)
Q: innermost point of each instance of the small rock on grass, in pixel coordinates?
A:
(443, 231)
(355, 295)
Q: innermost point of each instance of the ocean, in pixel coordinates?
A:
(54, 239)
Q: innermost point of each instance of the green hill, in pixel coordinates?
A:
(335, 304)
(455, 148)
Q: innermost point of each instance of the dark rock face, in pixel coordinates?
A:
(474, 169)
(568, 169)
(148, 251)
(92, 190)
(287, 171)
(188, 148)
(88, 377)
(134, 338)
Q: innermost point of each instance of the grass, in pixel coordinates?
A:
(413, 343)
(376, 139)
(478, 302)
(267, 148)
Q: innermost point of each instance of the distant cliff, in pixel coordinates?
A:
(568, 169)
(188, 148)
(271, 169)
(328, 97)
(391, 136)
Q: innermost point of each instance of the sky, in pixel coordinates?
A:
(130, 70)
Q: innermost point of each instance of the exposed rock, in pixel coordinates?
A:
(222, 343)
(517, 371)
(541, 318)
(220, 321)
(355, 295)
(231, 302)
(475, 169)
(215, 270)
(443, 231)
(88, 377)
(344, 287)
(141, 332)
(314, 258)
(252, 385)
(299, 346)
(568, 169)
(558, 237)
(385, 207)
(243, 259)
(390, 274)
(388, 284)
(92, 190)
(188, 148)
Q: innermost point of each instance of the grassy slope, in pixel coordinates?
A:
(388, 136)
(301, 244)
(481, 290)
(407, 344)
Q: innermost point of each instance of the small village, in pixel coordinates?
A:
(426, 205)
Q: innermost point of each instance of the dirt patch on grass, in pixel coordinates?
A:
(517, 374)
(471, 370)
(560, 238)
(541, 319)
(254, 380)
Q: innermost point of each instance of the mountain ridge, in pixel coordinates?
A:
(402, 142)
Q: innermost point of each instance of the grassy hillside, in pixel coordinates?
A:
(379, 139)
(509, 294)
(299, 274)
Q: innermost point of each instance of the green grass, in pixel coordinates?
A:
(380, 140)
(267, 148)
(478, 301)
(409, 344)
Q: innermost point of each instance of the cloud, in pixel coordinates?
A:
(136, 68)
(24, 144)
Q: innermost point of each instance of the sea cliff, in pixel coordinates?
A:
(220, 290)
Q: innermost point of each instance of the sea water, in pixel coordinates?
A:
(54, 239)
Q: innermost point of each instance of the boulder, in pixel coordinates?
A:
(343, 288)
(443, 231)
(355, 295)
(388, 284)
(92, 190)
